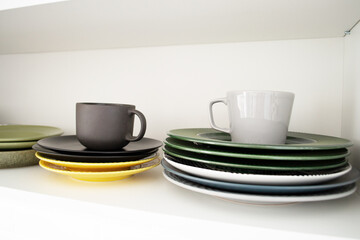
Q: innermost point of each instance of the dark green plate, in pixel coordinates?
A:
(294, 141)
(254, 163)
(257, 153)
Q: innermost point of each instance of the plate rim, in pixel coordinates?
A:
(258, 187)
(97, 164)
(99, 153)
(192, 134)
(252, 156)
(57, 132)
(80, 158)
(257, 178)
(16, 145)
(127, 172)
(250, 166)
(258, 198)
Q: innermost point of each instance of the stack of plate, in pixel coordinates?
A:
(308, 167)
(16, 142)
(67, 156)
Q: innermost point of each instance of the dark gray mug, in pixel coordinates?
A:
(106, 126)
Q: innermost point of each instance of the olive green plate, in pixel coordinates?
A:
(257, 153)
(254, 163)
(294, 141)
(20, 158)
(21, 133)
(16, 145)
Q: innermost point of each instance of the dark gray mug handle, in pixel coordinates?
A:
(142, 128)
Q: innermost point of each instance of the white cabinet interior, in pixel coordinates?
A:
(42, 77)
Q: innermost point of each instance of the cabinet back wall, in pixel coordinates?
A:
(172, 85)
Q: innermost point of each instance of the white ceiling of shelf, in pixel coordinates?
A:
(11, 4)
(98, 24)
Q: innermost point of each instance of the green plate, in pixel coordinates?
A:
(254, 163)
(294, 141)
(257, 153)
(16, 145)
(22, 133)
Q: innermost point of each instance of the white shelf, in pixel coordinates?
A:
(149, 196)
(36, 204)
(100, 24)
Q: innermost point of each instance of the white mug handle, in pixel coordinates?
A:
(212, 122)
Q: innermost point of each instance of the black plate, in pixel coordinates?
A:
(71, 144)
(48, 153)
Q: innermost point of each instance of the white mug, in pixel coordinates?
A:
(256, 117)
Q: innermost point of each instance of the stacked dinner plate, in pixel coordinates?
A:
(67, 156)
(16, 142)
(308, 167)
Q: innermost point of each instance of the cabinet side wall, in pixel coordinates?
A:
(351, 92)
(172, 85)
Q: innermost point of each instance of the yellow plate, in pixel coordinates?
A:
(90, 167)
(100, 176)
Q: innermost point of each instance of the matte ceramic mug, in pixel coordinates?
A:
(256, 117)
(105, 126)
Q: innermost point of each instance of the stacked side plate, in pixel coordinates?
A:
(16, 142)
(67, 156)
(308, 167)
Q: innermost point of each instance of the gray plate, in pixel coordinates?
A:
(91, 158)
(71, 144)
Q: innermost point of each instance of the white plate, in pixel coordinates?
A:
(257, 178)
(260, 199)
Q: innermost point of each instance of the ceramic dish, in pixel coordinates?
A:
(91, 158)
(21, 133)
(336, 193)
(19, 158)
(113, 166)
(16, 145)
(350, 177)
(258, 178)
(100, 176)
(255, 163)
(257, 153)
(256, 171)
(71, 144)
(294, 141)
